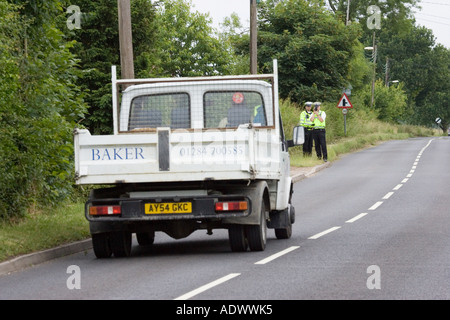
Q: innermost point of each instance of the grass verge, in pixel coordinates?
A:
(43, 230)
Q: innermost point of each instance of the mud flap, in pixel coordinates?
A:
(281, 219)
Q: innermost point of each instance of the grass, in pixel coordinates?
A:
(45, 229)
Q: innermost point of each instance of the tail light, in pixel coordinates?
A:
(224, 206)
(105, 210)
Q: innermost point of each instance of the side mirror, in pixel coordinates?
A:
(298, 136)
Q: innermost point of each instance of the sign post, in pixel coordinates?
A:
(344, 103)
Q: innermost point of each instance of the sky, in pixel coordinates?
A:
(435, 14)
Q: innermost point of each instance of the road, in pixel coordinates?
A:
(375, 225)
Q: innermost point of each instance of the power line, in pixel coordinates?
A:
(431, 15)
(441, 4)
(446, 24)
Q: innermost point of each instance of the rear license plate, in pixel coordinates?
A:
(168, 208)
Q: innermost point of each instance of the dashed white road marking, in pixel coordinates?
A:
(277, 255)
(388, 195)
(359, 216)
(376, 205)
(207, 286)
(320, 234)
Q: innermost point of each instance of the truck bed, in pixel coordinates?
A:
(166, 155)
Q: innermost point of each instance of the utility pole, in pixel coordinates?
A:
(347, 21)
(253, 37)
(375, 53)
(386, 78)
(125, 39)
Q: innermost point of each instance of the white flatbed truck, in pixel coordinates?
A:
(188, 154)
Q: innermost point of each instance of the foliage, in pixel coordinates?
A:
(40, 104)
(395, 10)
(168, 40)
(186, 45)
(389, 102)
(97, 46)
(313, 48)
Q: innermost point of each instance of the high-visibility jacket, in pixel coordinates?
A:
(258, 114)
(305, 119)
(317, 123)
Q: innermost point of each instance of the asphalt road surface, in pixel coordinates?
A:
(375, 225)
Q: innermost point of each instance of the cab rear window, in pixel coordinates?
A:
(160, 110)
(229, 109)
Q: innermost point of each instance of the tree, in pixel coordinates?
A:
(97, 46)
(389, 103)
(168, 40)
(422, 69)
(40, 103)
(435, 103)
(187, 46)
(314, 49)
(395, 11)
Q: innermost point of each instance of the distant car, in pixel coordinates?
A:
(448, 131)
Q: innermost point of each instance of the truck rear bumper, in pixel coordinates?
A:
(168, 209)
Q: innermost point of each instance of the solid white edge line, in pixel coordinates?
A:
(207, 286)
(359, 216)
(318, 235)
(277, 255)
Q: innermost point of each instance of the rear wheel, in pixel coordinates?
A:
(257, 234)
(101, 245)
(145, 238)
(236, 235)
(121, 244)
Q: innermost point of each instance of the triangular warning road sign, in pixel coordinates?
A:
(344, 102)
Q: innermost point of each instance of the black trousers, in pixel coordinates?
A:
(307, 146)
(320, 143)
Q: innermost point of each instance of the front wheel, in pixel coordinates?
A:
(286, 232)
(257, 234)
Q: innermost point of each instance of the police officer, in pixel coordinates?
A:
(318, 118)
(307, 124)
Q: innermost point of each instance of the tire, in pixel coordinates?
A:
(257, 234)
(236, 235)
(286, 233)
(121, 244)
(145, 238)
(101, 245)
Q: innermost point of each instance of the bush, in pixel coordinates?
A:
(39, 104)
